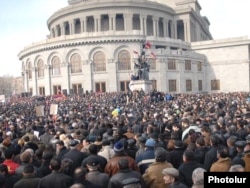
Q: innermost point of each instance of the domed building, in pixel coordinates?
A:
(93, 46)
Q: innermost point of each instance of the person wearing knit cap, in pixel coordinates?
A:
(118, 147)
(112, 166)
(147, 156)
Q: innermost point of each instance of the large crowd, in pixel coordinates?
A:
(123, 139)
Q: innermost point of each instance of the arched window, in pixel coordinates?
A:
(55, 66)
(124, 60)
(30, 70)
(99, 61)
(75, 62)
(40, 69)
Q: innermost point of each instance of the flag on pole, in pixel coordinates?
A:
(153, 55)
(147, 45)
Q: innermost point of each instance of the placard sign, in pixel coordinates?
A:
(53, 109)
(40, 110)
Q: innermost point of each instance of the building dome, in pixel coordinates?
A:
(92, 46)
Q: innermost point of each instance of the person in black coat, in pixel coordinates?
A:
(8, 179)
(44, 169)
(29, 179)
(56, 179)
(80, 178)
(211, 155)
(93, 149)
(187, 167)
(75, 155)
(60, 149)
(175, 155)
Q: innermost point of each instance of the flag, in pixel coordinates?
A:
(148, 45)
(153, 55)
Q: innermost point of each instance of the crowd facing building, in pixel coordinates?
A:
(123, 140)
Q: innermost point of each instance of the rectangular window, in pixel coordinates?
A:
(188, 85)
(100, 87)
(41, 90)
(56, 89)
(171, 64)
(124, 85)
(77, 88)
(188, 65)
(172, 85)
(200, 85)
(199, 66)
(215, 84)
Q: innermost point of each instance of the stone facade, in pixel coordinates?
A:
(92, 47)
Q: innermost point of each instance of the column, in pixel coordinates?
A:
(97, 21)
(143, 21)
(128, 22)
(68, 75)
(71, 27)
(174, 29)
(114, 22)
(187, 30)
(27, 80)
(83, 28)
(51, 33)
(62, 29)
(57, 31)
(141, 24)
(35, 78)
(111, 17)
(155, 26)
(165, 25)
(85, 24)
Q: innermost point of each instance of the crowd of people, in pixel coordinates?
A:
(123, 140)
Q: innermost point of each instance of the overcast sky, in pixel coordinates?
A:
(25, 21)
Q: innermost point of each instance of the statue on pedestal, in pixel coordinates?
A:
(141, 68)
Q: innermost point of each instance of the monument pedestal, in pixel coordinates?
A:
(145, 85)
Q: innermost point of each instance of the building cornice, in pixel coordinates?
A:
(64, 42)
(237, 41)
